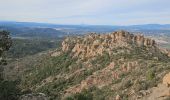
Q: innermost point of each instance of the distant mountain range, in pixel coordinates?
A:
(28, 29)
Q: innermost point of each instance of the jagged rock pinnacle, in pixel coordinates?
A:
(93, 44)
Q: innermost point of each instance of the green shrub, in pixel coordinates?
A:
(150, 75)
(92, 93)
(80, 96)
(141, 85)
(9, 90)
(126, 84)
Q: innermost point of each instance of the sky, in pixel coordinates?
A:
(90, 12)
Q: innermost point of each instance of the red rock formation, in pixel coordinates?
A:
(166, 79)
(94, 44)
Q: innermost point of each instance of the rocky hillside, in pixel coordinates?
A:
(96, 44)
(116, 65)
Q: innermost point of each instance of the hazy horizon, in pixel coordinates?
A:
(89, 12)
(13, 21)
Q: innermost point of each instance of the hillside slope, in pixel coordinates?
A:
(99, 67)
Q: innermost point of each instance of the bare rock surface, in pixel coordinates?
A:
(161, 92)
(166, 79)
(94, 44)
(39, 96)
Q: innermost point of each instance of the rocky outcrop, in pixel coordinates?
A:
(95, 44)
(166, 79)
(102, 77)
(126, 67)
(165, 51)
(161, 92)
(55, 53)
(39, 96)
(118, 97)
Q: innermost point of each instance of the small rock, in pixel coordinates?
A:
(118, 97)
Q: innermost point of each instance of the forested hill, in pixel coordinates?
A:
(96, 67)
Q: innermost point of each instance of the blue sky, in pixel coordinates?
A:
(93, 12)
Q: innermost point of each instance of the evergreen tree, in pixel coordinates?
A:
(8, 89)
(5, 44)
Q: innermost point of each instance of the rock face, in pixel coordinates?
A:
(165, 51)
(39, 96)
(96, 44)
(166, 79)
(161, 92)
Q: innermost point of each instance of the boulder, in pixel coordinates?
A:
(39, 96)
(161, 92)
(118, 97)
(166, 79)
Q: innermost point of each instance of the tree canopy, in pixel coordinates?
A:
(5, 43)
